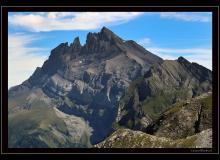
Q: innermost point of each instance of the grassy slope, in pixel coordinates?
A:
(36, 127)
(155, 105)
(29, 125)
(152, 106)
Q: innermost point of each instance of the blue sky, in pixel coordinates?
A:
(32, 35)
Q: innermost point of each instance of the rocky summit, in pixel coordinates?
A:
(83, 93)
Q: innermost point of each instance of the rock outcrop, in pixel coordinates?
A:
(184, 118)
(126, 138)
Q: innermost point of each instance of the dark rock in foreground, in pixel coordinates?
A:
(126, 138)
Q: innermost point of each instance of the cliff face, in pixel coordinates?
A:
(184, 118)
(84, 81)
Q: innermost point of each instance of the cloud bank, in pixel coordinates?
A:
(51, 21)
(183, 16)
(23, 59)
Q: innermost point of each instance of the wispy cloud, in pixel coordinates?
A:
(202, 56)
(144, 41)
(191, 17)
(22, 59)
(50, 21)
(199, 51)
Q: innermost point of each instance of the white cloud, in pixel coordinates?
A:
(49, 21)
(202, 56)
(183, 51)
(192, 17)
(144, 41)
(23, 60)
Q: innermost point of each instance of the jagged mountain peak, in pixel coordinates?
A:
(76, 45)
(95, 42)
(72, 60)
(102, 42)
(76, 40)
(109, 34)
(104, 35)
(106, 30)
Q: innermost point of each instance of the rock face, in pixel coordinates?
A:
(86, 81)
(164, 84)
(184, 118)
(126, 138)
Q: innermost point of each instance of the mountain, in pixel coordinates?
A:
(72, 100)
(164, 84)
(84, 93)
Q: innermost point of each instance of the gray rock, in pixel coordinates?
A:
(126, 138)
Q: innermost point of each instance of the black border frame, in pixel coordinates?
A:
(4, 79)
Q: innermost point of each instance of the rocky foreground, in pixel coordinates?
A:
(126, 138)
